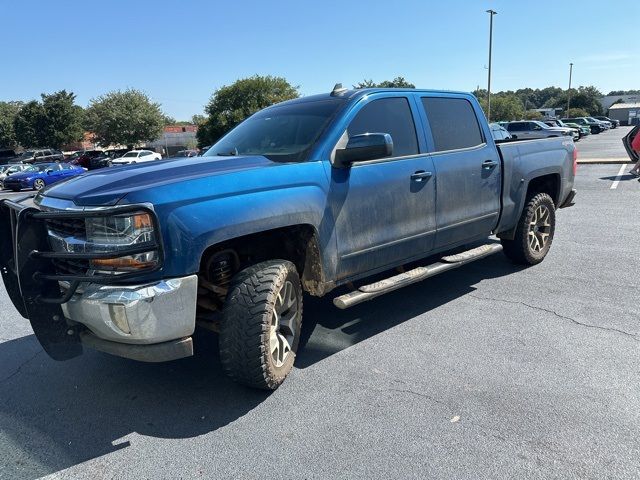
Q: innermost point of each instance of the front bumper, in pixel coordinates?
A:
(138, 314)
(9, 185)
(111, 313)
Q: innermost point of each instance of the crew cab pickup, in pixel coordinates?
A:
(304, 196)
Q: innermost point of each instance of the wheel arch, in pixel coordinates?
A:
(298, 243)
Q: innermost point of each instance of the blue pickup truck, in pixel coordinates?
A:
(304, 196)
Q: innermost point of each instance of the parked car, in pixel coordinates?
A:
(584, 129)
(7, 155)
(498, 132)
(614, 123)
(204, 149)
(40, 175)
(185, 153)
(10, 169)
(45, 155)
(115, 152)
(554, 122)
(91, 159)
(532, 129)
(136, 156)
(306, 195)
(594, 126)
(606, 125)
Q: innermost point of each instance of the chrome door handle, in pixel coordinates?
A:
(489, 164)
(421, 175)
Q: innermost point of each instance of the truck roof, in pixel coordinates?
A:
(350, 94)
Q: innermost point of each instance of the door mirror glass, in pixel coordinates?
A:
(367, 146)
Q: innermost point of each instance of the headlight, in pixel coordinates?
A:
(120, 232)
(132, 234)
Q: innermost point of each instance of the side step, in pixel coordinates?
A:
(373, 290)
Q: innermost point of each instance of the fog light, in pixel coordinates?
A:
(118, 316)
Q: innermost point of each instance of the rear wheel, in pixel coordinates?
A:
(261, 323)
(534, 233)
(38, 184)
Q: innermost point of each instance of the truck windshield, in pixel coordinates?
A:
(282, 134)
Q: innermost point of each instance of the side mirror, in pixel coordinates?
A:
(367, 146)
(49, 172)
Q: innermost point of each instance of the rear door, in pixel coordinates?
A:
(384, 208)
(467, 166)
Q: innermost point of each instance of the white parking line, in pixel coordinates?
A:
(615, 183)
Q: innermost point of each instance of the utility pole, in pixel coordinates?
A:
(491, 14)
(569, 92)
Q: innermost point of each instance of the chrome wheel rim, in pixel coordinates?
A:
(38, 184)
(539, 229)
(282, 331)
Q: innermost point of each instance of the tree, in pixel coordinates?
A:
(54, 122)
(29, 123)
(231, 104)
(577, 112)
(623, 92)
(532, 115)
(168, 120)
(125, 118)
(586, 98)
(63, 120)
(198, 119)
(503, 107)
(398, 82)
(8, 112)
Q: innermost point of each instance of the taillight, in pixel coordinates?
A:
(575, 161)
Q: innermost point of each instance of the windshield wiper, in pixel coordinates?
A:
(232, 153)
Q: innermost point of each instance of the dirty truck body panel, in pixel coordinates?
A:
(443, 183)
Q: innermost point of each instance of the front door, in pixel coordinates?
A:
(468, 170)
(384, 208)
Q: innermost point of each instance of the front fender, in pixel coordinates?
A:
(197, 214)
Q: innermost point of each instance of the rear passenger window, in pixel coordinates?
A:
(453, 123)
(392, 116)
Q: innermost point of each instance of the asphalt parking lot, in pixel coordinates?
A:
(603, 147)
(488, 371)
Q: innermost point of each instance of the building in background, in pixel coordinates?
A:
(549, 112)
(611, 99)
(175, 138)
(627, 113)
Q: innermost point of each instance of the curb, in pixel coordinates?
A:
(604, 160)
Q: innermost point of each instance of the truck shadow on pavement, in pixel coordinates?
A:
(56, 415)
(623, 178)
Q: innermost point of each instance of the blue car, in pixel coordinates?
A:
(40, 175)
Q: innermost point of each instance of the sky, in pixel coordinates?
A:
(180, 52)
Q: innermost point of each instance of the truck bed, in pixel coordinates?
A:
(523, 160)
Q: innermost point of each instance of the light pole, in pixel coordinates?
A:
(569, 92)
(491, 14)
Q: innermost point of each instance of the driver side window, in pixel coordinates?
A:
(388, 115)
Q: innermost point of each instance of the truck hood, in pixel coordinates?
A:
(107, 186)
(633, 155)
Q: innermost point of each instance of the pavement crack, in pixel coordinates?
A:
(17, 370)
(564, 317)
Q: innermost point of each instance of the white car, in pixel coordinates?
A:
(137, 156)
(6, 170)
